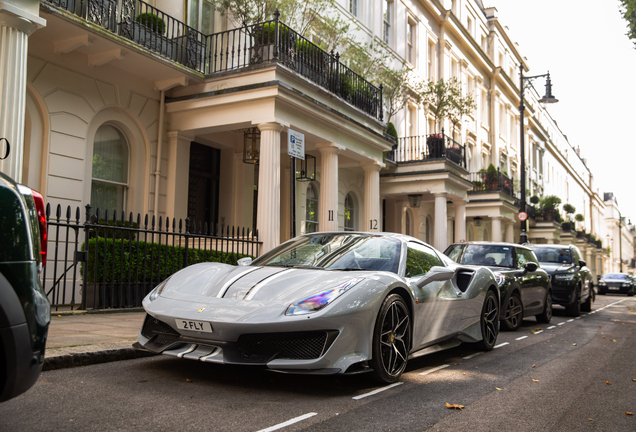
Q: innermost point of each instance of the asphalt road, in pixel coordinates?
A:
(573, 374)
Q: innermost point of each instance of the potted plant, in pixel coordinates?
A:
(264, 36)
(148, 31)
(569, 210)
(534, 199)
(548, 207)
(492, 178)
(435, 144)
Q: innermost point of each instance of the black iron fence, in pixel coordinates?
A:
(270, 41)
(427, 147)
(113, 262)
(492, 181)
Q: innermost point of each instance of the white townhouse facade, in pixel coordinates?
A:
(191, 118)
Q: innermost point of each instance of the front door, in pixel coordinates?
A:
(203, 186)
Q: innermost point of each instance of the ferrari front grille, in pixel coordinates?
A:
(294, 345)
(158, 331)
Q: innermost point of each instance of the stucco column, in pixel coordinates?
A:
(440, 230)
(496, 228)
(460, 220)
(372, 220)
(177, 178)
(328, 206)
(268, 216)
(590, 262)
(18, 19)
(510, 233)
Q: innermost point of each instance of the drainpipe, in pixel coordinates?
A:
(162, 106)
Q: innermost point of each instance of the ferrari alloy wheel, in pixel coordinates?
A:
(513, 315)
(391, 340)
(489, 322)
(546, 316)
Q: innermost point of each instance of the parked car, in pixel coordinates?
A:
(617, 283)
(572, 281)
(324, 303)
(525, 288)
(25, 311)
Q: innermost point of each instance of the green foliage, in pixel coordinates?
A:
(105, 229)
(390, 130)
(444, 99)
(534, 199)
(628, 10)
(151, 21)
(579, 217)
(133, 260)
(550, 202)
(266, 33)
(569, 208)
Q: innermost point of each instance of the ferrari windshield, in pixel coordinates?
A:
(336, 252)
(553, 255)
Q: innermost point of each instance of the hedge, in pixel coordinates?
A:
(137, 259)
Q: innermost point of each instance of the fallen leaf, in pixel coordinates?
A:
(464, 374)
(574, 344)
(612, 340)
(534, 380)
(60, 316)
(454, 406)
(608, 383)
(538, 329)
(590, 419)
(188, 380)
(498, 388)
(603, 337)
(534, 365)
(634, 379)
(456, 364)
(629, 413)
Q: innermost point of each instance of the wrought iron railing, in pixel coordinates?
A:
(426, 147)
(273, 41)
(110, 262)
(144, 24)
(492, 181)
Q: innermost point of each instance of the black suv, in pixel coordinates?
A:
(524, 287)
(572, 283)
(25, 311)
(617, 283)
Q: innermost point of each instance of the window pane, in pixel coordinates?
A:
(207, 18)
(311, 214)
(193, 14)
(107, 196)
(110, 155)
(349, 213)
(419, 260)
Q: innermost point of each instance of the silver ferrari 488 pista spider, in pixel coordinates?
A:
(324, 303)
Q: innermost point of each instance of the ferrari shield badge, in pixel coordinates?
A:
(201, 310)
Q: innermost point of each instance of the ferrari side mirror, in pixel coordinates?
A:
(244, 261)
(436, 273)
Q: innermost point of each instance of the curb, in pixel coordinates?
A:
(91, 358)
(96, 311)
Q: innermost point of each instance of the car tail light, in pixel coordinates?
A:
(39, 207)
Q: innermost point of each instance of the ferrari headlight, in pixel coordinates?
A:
(565, 277)
(157, 291)
(500, 279)
(320, 300)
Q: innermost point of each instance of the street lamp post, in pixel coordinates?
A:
(548, 98)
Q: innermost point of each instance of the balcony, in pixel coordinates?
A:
(428, 147)
(486, 181)
(236, 49)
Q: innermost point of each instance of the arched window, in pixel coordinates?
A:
(311, 217)
(109, 183)
(349, 213)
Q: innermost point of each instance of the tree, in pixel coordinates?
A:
(439, 98)
(460, 106)
(395, 84)
(628, 10)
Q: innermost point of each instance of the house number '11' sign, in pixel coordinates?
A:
(4, 143)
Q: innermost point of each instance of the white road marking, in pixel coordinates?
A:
(570, 320)
(501, 344)
(537, 332)
(561, 323)
(551, 327)
(578, 317)
(473, 355)
(289, 422)
(376, 391)
(522, 337)
(435, 369)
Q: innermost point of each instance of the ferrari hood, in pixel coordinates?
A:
(268, 284)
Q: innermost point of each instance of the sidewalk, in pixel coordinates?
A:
(81, 338)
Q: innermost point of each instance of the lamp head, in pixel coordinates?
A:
(548, 98)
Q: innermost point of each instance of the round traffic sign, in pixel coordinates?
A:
(522, 216)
